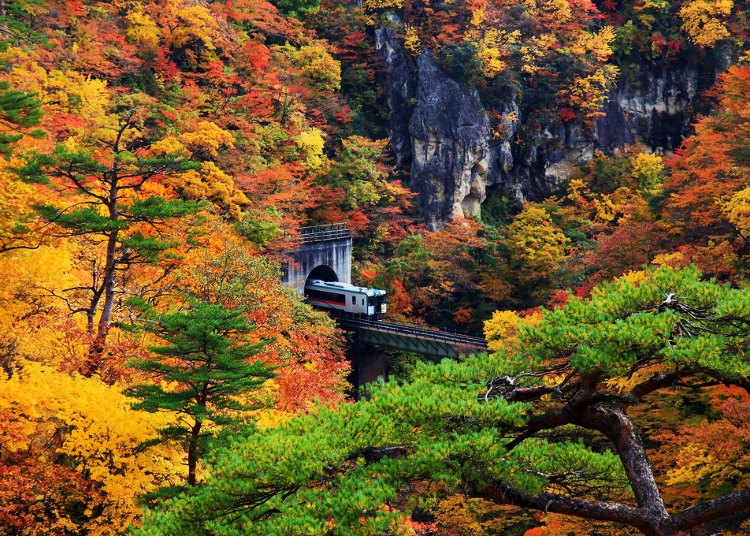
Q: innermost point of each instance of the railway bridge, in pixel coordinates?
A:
(325, 252)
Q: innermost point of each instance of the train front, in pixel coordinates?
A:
(376, 302)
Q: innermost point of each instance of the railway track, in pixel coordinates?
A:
(427, 333)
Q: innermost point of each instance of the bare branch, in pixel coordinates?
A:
(375, 454)
(502, 493)
(713, 509)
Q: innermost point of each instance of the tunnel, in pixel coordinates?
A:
(319, 258)
(324, 273)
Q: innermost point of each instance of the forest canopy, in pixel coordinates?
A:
(158, 159)
(496, 427)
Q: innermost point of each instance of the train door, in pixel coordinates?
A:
(378, 305)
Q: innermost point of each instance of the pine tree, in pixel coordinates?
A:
(124, 224)
(18, 112)
(497, 427)
(207, 356)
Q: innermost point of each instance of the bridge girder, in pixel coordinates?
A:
(416, 345)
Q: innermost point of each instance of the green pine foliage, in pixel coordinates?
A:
(204, 354)
(16, 21)
(19, 111)
(471, 425)
(207, 355)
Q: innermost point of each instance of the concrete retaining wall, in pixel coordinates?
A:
(334, 254)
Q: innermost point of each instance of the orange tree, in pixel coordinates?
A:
(712, 165)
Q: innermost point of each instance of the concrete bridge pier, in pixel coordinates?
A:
(368, 364)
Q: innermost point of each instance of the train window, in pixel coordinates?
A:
(354, 300)
(363, 301)
(338, 299)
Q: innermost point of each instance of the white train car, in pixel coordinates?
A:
(357, 301)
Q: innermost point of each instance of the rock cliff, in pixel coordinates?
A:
(449, 132)
(400, 88)
(657, 103)
(455, 157)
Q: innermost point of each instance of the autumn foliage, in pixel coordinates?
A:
(158, 157)
(151, 151)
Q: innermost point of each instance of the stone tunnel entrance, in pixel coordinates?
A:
(322, 252)
(324, 273)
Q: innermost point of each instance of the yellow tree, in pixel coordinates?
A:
(537, 247)
(72, 454)
(704, 21)
(105, 173)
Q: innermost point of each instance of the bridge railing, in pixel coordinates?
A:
(319, 233)
(447, 334)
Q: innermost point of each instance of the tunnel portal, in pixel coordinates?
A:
(323, 252)
(324, 273)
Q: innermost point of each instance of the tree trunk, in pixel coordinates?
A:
(195, 433)
(99, 339)
(650, 516)
(99, 343)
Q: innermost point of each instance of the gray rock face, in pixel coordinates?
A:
(656, 104)
(450, 134)
(400, 85)
(613, 130)
(502, 165)
(652, 111)
(455, 157)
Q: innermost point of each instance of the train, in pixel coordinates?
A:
(351, 300)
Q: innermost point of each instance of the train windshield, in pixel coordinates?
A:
(377, 301)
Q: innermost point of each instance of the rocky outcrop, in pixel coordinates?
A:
(613, 129)
(400, 86)
(656, 104)
(450, 134)
(564, 147)
(455, 158)
(653, 110)
(502, 164)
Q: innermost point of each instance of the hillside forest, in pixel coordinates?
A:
(157, 160)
